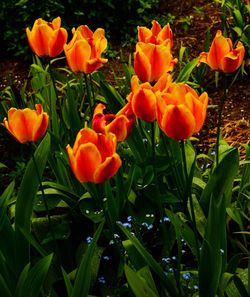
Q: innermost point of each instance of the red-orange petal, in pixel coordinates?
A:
(107, 169)
(178, 122)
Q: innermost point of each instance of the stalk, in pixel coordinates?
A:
(220, 117)
(189, 197)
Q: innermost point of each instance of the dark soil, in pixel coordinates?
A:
(204, 15)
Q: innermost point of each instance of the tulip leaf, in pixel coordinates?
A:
(169, 285)
(213, 248)
(221, 181)
(7, 235)
(187, 70)
(114, 100)
(34, 278)
(25, 199)
(83, 276)
(4, 290)
(138, 284)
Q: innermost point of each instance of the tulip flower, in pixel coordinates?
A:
(180, 111)
(143, 97)
(151, 61)
(83, 52)
(93, 157)
(47, 39)
(119, 124)
(222, 56)
(26, 125)
(156, 35)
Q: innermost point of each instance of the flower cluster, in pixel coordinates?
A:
(178, 109)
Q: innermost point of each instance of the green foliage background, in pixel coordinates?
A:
(119, 18)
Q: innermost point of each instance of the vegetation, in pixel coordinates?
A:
(110, 196)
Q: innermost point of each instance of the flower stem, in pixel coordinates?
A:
(89, 97)
(189, 197)
(44, 201)
(220, 117)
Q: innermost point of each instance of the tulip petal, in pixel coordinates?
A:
(142, 66)
(107, 169)
(85, 161)
(143, 34)
(85, 135)
(119, 127)
(178, 122)
(39, 39)
(144, 105)
(40, 126)
(57, 41)
(106, 144)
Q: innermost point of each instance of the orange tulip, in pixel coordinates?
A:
(83, 52)
(47, 39)
(151, 61)
(143, 98)
(222, 56)
(120, 124)
(156, 35)
(26, 125)
(180, 111)
(93, 157)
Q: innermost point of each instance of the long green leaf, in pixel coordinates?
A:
(83, 277)
(139, 285)
(221, 181)
(4, 290)
(35, 278)
(171, 288)
(25, 200)
(187, 70)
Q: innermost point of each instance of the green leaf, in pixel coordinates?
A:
(7, 234)
(138, 284)
(170, 286)
(187, 70)
(2, 166)
(186, 232)
(221, 181)
(114, 100)
(35, 278)
(67, 282)
(83, 276)
(25, 199)
(4, 290)
(238, 18)
(211, 257)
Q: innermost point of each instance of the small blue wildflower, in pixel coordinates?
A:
(127, 225)
(166, 260)
(89, 239)
(101, 280)
(107, 258)
(186, 275)
(129, 218)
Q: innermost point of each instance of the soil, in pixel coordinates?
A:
(204, 15)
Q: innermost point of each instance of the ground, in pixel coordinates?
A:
(203, 15)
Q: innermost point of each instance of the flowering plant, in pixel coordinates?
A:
(115, 199)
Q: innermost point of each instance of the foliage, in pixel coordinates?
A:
(118, 18)
(171, 222)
